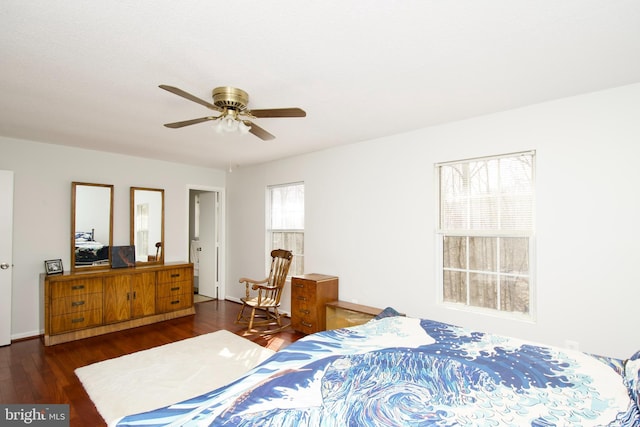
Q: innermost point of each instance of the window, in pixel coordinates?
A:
(285, 225)
(142, 230)
(486, 232)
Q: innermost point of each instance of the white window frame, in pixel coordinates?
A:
(530, 234)
(298, 258)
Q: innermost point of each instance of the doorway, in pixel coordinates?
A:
(6, 263)
(206, 221)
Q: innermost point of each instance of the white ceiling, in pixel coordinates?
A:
(86, 73)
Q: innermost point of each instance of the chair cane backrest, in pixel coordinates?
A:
(280, 263)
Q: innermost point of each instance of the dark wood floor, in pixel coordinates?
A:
(33, 373)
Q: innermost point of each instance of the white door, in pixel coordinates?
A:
(6, 244)
(209, 256)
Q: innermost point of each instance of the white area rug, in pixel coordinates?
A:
(160, 376)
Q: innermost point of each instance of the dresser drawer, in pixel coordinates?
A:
(304, 317)
(72, 321)
(301, 297)
(172, 303)
(303, 289)
(304, 309)
(70, 288)
(174, 275)
(305, 326)
(76, 303)
(174, 295)
(166, 290)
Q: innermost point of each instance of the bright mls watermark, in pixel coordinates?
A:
(34, 415)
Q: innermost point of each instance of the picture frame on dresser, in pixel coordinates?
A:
(53, 266)
(123, 256)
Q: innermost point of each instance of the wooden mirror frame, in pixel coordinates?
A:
(89, 226)
(155, 244)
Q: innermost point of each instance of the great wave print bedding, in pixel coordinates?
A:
(399, 371)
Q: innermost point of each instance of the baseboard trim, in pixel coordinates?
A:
(26, 335)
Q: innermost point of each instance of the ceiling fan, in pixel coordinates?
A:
(234, 116)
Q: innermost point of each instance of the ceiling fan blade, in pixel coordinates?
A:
(188, 96)
(278, 112)
(258, 131)
(189, 122)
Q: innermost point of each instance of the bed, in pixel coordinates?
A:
(88, 251)
(397, 370)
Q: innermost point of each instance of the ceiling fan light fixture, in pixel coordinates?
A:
(229, 122)
(243, 128)
(219, 126)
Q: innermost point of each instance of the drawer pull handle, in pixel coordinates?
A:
(175, 288)
(302, 298)
(308, 325)
(175, 275)
(298, 285)
(305, 311)
(77, 320)
(77, 303)
(175, 302)
(76, 287)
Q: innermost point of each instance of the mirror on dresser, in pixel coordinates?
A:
(91, 225)
(147, 224)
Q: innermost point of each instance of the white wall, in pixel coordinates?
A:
(370, 217)
(42, 209)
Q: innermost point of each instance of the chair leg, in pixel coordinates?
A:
(277, 316)
(240, 315)
(253, 315)
(260, 317)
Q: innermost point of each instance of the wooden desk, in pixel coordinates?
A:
(342, 314)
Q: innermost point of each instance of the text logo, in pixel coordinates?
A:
(34, 415)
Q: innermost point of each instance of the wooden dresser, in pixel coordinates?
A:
(309, 294)
(84, 304)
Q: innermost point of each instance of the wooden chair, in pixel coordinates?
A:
(157, 255)
(264, 304)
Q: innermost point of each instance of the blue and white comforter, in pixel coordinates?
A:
(412, 372)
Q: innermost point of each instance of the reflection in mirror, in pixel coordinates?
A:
(147, 224)
(91, 225)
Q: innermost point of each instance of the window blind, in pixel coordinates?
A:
(492, 195)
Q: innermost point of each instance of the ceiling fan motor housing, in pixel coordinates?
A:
(230, 98)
